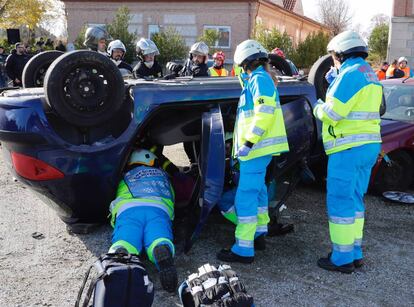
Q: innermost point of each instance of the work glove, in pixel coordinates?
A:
(331, 74)
(174, 67)
(243, 151)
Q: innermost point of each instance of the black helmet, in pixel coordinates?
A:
(93, 35)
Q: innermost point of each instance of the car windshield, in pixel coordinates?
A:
(400, 102)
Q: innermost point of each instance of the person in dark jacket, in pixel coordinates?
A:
(60, 47)
(116, 51)
(3, 77)
(147, 67)
(195, 65)
(96, 39)
(15, 63)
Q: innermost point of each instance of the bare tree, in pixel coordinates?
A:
(335, 14)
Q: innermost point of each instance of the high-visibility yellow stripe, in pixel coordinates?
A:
(359, 228)
(128, 246)
(245, 231)
(342, 234)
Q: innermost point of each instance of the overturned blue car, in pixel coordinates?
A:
(70, 139)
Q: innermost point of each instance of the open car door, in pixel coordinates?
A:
(212, 167)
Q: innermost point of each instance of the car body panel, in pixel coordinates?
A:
(92, 171)
(396, 134)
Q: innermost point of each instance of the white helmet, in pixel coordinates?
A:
(146, 46)
(249, 50)
(346, 43)
(199, 48)
(116, 44)
(142, 156)
(402, 59)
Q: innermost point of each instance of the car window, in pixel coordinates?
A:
(400, 102)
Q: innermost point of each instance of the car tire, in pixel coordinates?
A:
(317, 75)
(394, 176)
(35, 70)
(85, 88)
(280, 64)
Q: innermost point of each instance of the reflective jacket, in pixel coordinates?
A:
(145, 187)
(350, 114)
(222, 72)
(260, 118)
(380, 74)
(407, 72)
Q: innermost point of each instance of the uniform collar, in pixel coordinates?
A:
(349, 62)
(258, 70)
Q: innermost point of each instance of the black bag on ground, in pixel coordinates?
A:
(212, 287)
(121, 280)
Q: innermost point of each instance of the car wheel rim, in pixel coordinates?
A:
(86, 89)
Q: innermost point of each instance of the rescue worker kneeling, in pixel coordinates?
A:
(259, 134)
(142, 215)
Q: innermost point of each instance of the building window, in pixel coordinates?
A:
(102, 25)
(224, 35)
(153, 29)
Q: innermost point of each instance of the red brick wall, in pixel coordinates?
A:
(403, 8)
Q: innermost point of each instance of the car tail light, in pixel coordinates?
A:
(34, 169)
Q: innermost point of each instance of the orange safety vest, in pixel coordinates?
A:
(380, 74)
(218, 72)
(406, 71)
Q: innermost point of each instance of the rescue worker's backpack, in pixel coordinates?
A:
(212, 287)
(121, 280)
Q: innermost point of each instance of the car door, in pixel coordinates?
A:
(212, 167)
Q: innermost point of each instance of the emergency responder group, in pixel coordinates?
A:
(143, 210)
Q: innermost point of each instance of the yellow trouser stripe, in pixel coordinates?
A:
(359, 228)
(245, 231)
(128, 246)
(342, 234)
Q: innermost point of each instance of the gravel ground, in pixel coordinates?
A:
(48, 271)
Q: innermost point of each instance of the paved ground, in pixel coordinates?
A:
(48, 271)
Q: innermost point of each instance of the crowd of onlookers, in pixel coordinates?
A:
(398, 69)
(19, 56)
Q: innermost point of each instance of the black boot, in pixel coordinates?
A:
(326, 264)
(228, 256)
(168, 273)
(260, 243)
(358, 263)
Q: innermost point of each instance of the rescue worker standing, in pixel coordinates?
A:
(142, 215)
(147, 65)
(196, 64)
(351, 137)
(402, 65)
(259, 134)
(218, 70)
(116, 52)
(96, 39)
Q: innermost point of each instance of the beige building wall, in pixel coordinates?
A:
(297, 27)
